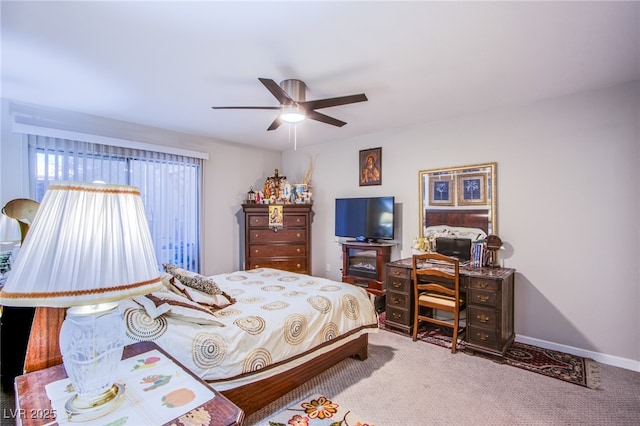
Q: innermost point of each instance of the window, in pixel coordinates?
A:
(170, 186)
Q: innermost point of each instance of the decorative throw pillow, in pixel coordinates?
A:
(212, 301)
(197, 281)
(173, 305)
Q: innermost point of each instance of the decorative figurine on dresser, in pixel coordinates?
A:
(277, 228)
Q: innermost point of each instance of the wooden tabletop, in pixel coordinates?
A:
(34, 407)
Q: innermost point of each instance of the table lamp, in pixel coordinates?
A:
(88, 247)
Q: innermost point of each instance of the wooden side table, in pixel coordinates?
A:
(33, 407)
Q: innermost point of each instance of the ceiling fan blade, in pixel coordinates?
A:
(245, 107)
(315, 115)
(276, 123)
(277, 91)
(330, 102)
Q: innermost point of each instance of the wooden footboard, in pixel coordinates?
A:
(254, 396)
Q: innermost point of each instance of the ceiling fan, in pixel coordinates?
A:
(293, 104)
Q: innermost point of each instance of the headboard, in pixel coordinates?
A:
(478, 218)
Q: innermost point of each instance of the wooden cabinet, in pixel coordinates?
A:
(490, 298)
(287, 247)
(363, 264)
(490, 311)
(399, 298)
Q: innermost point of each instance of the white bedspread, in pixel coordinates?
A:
(278, 317)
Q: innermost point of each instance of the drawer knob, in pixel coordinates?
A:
(483, 297)
(298, 266)
(482, 284)
(256, 220)
(396, 284)
(257, 235)
(298, 250)
(396, 315)
(396, 301)
(482, 318)
(257, 251)
(395, 272)
(298, 220)
(298, 235)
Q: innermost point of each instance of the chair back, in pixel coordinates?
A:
(436, 272)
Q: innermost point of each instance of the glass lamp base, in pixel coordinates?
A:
(81, 409)
(91, 343)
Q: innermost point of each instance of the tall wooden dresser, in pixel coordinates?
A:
(287, 247)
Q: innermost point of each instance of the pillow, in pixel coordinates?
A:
(173, 305)
(198, 282)
(215, 301)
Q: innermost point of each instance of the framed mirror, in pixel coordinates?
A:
(463, 196)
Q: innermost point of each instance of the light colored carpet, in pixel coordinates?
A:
(409, 383)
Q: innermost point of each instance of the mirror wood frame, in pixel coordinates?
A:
(487, 199)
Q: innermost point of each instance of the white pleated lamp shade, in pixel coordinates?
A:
(89, 243)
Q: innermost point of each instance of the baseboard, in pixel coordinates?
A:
(615, 361)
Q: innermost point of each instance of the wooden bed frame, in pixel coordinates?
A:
(478, 218)
(43, 351)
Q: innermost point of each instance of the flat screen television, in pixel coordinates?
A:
(365, 219)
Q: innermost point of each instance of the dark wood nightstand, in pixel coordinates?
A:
(33, 407)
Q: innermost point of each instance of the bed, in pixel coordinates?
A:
(266, 331)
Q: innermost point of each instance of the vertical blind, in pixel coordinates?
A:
(170, 186)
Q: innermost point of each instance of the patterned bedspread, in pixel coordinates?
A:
(277, 317)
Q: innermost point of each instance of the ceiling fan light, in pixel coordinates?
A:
(292, 114)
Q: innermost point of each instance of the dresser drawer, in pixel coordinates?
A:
(483, 284)
(293, 265)
(398, 300)
(281, 236)
(480, 297)
(294, 220)
(289, 220)
(279, 250)
(257, 221)
(398, 284)
(393, 272)
(399, 316)
(482, 336)
(478, 317)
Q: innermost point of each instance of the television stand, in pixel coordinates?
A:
(363, 264)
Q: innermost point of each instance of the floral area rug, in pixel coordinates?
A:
(315, 410)
(558, 365)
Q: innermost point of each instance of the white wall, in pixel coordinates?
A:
(568, 208)
(228, 173)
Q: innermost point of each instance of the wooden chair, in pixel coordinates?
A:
(437, 287)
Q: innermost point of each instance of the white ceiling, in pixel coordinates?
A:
(164, 64)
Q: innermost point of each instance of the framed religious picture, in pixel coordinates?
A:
(275, 215)
(472, 189)
(370, 167)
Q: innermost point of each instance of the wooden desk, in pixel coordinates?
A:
(33, 407)
(489, 294)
